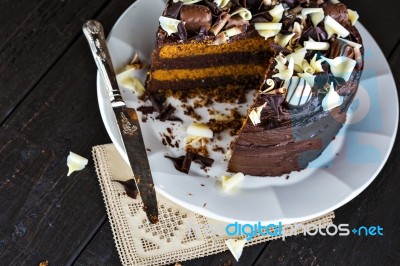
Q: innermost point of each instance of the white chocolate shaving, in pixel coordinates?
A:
(352, 44)
(341, 66)
(187, 2)
(298, 91)
(277, 13)
(233, 31)
(307, 67)
(268, 26)
(316, 46)
(334, 27)
(332, 99)
(220, 39)
(286, 72)
(310, 78)
(271, 84)
(268, 33)
(170, 25)
(283, 40)
(222, 3)
(199, 130)
(316, 14)
(297, 30)
(255, 115)
(126, 80)
(335, 2)
(243, 12)
(298, 56)
(353, 16)
(316, 65)
(229, 182)
(267, 2)
(75, 162)
(268, 29)
(236, 247)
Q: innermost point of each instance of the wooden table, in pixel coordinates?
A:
(48, 107)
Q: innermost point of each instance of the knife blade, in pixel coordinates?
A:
(126, 119)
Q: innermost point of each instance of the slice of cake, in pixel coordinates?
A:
(305, 58)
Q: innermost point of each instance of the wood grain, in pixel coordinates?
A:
(37, 37)
(45, 214)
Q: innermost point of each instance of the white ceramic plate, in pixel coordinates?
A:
(343, 171)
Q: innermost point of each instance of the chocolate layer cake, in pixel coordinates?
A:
(305, 58)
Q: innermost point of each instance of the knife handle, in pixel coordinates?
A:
(94, 34)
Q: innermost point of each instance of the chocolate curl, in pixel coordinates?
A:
(182, 31)
(295, 11)
(173, 9)
(316, 33)
(262, 17)
(290, 3)
(236, 21)
(220, 39)
(215, 9)
(218, 26)
(340, 48)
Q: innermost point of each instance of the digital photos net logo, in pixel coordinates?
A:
(249, 231)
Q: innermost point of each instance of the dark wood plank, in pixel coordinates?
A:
(38, 38)
(101, 249)
(45, 214)
(380, 20)
(377, 205)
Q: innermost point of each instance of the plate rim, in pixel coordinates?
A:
(203, 211)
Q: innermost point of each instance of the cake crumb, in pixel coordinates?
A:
(287, 177)
(44, 263)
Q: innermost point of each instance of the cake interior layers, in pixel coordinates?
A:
(185, 70)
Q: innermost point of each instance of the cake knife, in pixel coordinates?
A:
(126, 118)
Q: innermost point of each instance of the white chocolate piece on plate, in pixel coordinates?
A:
(75, 162)
(229, 182)
(126, 80)
(199, 130)
(236, 247)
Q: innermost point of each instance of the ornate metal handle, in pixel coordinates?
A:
(94, 33)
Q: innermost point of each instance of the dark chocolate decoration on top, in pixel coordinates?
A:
(338, 12)
(195, 17)
(340, 48)
(172, 10)
(182, 31)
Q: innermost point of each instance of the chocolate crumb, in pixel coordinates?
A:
(146, 109)
(202, 185)
(287, 177)
(183, 163)
(148, 150)
(205, 204)
(130, 188)
(190, 194)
